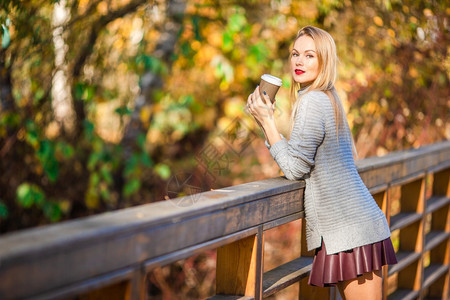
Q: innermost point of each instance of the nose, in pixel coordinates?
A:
(299, 61)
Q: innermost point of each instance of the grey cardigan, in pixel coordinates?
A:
(338, 206)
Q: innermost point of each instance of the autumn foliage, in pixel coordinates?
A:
(109, 104)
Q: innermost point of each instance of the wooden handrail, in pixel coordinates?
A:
(78, 256)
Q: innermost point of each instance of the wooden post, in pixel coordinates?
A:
(382, 199)
(240, 267)
(137, 288)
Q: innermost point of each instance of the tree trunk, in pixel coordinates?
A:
(61, 93)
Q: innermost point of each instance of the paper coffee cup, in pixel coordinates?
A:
(270, 84)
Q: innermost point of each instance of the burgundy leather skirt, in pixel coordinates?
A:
(327, 270)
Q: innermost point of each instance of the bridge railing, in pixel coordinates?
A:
(108, 256)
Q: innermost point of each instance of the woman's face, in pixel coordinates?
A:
(304, 61)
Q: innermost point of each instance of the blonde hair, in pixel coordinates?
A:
(325, 80)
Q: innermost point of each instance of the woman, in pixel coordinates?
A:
(344, 224)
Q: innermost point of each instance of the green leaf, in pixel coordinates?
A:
(52, 211)
(122, 111)
(3, 210)
(29, 194)
(227, 41)
(141, 140)
(65, 149)
(146, 160)
(94, 158)
(236, 22)
(95, 179)
(24, 195)
(106, 174)
(163, 171)
(131, 165)
(46, 155)
(79, 88)
(131, 187)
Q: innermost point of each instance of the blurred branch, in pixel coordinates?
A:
(151, 81)
(86, 51)
(6, 97)
(86, 14)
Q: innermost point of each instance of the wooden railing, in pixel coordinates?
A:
(109, 255)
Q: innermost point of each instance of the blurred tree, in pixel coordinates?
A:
(106, 103)
(153, 86)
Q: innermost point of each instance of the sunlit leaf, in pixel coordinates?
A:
(29, 194)
(6, 37)
(163, 171)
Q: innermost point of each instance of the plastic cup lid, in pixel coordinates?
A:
(272, 79)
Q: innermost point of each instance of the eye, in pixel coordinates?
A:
(294, 54)
(309, 56)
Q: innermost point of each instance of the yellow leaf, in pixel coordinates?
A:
(413, 72)
(391, 33)
(427, 12)
(378, 21)
(145, 114)
(102, 8)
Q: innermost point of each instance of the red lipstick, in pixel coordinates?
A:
(299, 72)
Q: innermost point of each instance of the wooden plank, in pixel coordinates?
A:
(377, 171)
(286, 274)
(283, 220)
(434, 238)
(433, 272)
(403, 219)
(378, 189)
(403, 294)
(442, 166)
(410, 178)
(126, 239)
(236, 267)
(103, 255)
(439, 288)
(404, 259)
(411, 276)
(230, 297)
(107, 225)
(198, 248)
(89, 284)
(436, 202)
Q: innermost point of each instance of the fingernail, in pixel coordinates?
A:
(264, 92)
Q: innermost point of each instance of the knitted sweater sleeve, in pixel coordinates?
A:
(296, 156)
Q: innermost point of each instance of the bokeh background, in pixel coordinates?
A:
(107, 104)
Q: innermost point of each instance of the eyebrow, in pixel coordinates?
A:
(305, 50)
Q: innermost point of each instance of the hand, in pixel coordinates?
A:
(260, 107)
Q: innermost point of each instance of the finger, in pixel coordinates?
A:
(257, 96)
(249, 99)
(256, 93)
(265, 98)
